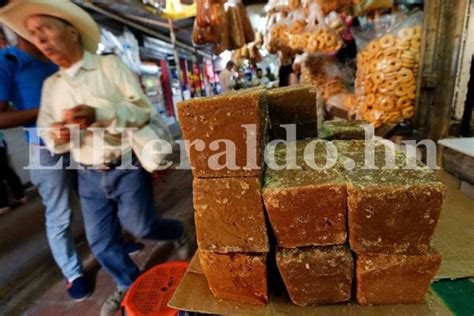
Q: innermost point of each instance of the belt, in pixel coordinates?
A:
(111, 165)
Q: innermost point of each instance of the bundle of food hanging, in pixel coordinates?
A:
(311, 26)
(223, 24)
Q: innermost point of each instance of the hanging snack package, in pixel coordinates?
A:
(320, 38)
(340, 6)
(387, 71)
(237, 35)
(246, 24)
(364, 6)
(323, 40)
(217, 14)
(279, 35)
(328, 75)
(203, 13)
(293, 4)
(211, 35)
(222, 29)
(198, 35)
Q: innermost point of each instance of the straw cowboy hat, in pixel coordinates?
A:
(14, 15)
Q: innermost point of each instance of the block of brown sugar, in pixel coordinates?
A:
(306, 207)
(232, 130)
(351, 146)
(342, 130)
(379, 158)
(293, 105)
(393, 211)
(229, 215)
(317, 275)
(236, 276)
(395, 279)
(309, 154)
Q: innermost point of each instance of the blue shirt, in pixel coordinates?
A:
(21, 81)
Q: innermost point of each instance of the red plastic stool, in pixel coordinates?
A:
(150, 293)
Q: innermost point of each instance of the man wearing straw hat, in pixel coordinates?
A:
(99, 92)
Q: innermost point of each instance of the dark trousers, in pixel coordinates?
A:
(8, 178)
(121, 198)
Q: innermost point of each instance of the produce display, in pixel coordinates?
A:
(229, 214)
(333, 227)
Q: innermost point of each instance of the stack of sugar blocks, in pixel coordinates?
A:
(229, 213)
(334, 229)
(335, 223)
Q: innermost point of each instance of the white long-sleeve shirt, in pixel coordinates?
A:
(226, 80)
(102, 82)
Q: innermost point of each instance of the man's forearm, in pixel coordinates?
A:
(17, 118)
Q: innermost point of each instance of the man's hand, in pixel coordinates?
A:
(82, 114)
(60, 133)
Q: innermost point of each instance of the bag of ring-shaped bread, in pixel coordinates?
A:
(310, 36)
(387, 69)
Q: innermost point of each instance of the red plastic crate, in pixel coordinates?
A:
(150, 293)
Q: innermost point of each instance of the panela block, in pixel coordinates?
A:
(317, 275)
(237, 276)
(395, 279)
(229, 215)
(393, 211)
(232, 130)
(306, 208)
(293, 105)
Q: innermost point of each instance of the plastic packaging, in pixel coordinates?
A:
(327, 74)
(217, 14)
(224, 34)
(203, 13)
(198, 35)
(237, 35)
(246, 24)
(293, 4)
(364, 6)
(387, 71)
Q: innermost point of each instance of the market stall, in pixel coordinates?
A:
(289, 215)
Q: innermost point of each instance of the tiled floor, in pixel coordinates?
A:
(173, 192)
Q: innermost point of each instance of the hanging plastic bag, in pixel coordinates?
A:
(217, 14)
(365, 6)
(293, 4)
(323, 40)
(246, 24)
(203, 13)
(387, 71)
(224, 36)
(237, 35)
(198, 35)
